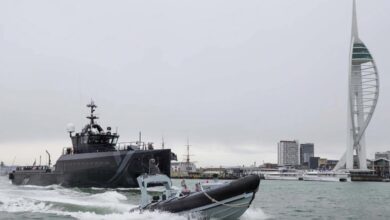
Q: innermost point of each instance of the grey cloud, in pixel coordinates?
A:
(235, 77)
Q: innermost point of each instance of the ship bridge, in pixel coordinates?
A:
(93, 138)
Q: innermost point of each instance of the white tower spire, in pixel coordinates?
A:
(355, 33)
(363, 97)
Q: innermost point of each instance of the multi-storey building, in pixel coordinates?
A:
(306, 151)
(314, 163)
(288, 153)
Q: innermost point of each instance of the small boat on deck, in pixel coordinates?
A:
(218, 201)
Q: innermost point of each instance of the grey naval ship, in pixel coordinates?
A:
(96, 160)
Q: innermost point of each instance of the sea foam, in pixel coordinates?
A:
(95, 204)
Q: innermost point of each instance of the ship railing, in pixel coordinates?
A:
(126, 146)
(32, 168)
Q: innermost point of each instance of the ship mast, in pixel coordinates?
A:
(188, 151)
(163, 142)
(92, 117)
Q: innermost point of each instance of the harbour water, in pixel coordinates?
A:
(275, 200)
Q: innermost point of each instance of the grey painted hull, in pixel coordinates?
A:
(100, 169)
(228, 209)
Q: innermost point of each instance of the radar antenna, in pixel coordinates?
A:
(92, 117)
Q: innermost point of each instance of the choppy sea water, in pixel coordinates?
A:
(275, 200)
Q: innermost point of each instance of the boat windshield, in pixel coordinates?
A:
(114, 140)
(102, 139)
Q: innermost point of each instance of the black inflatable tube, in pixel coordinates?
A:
(246, 184)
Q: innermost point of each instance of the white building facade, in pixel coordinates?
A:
(182, 168)
(288, 153)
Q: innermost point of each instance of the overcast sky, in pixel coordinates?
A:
(233, 76)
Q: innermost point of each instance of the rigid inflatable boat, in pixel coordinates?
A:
(222, 201)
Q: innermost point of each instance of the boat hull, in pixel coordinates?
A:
(226, 202)
(282, 176)
(231, 208)
(326, 177)
(100, 169)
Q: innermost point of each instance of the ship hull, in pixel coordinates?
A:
(101, 169)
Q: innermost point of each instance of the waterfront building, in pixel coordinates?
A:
(288, 153)
(314, 163)
(182, 169)
(370, 164)
(362, 96)
(306, 151)
(381, 166)
(331, 164)
(379, 155)
(322, 163)
(269, 166)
